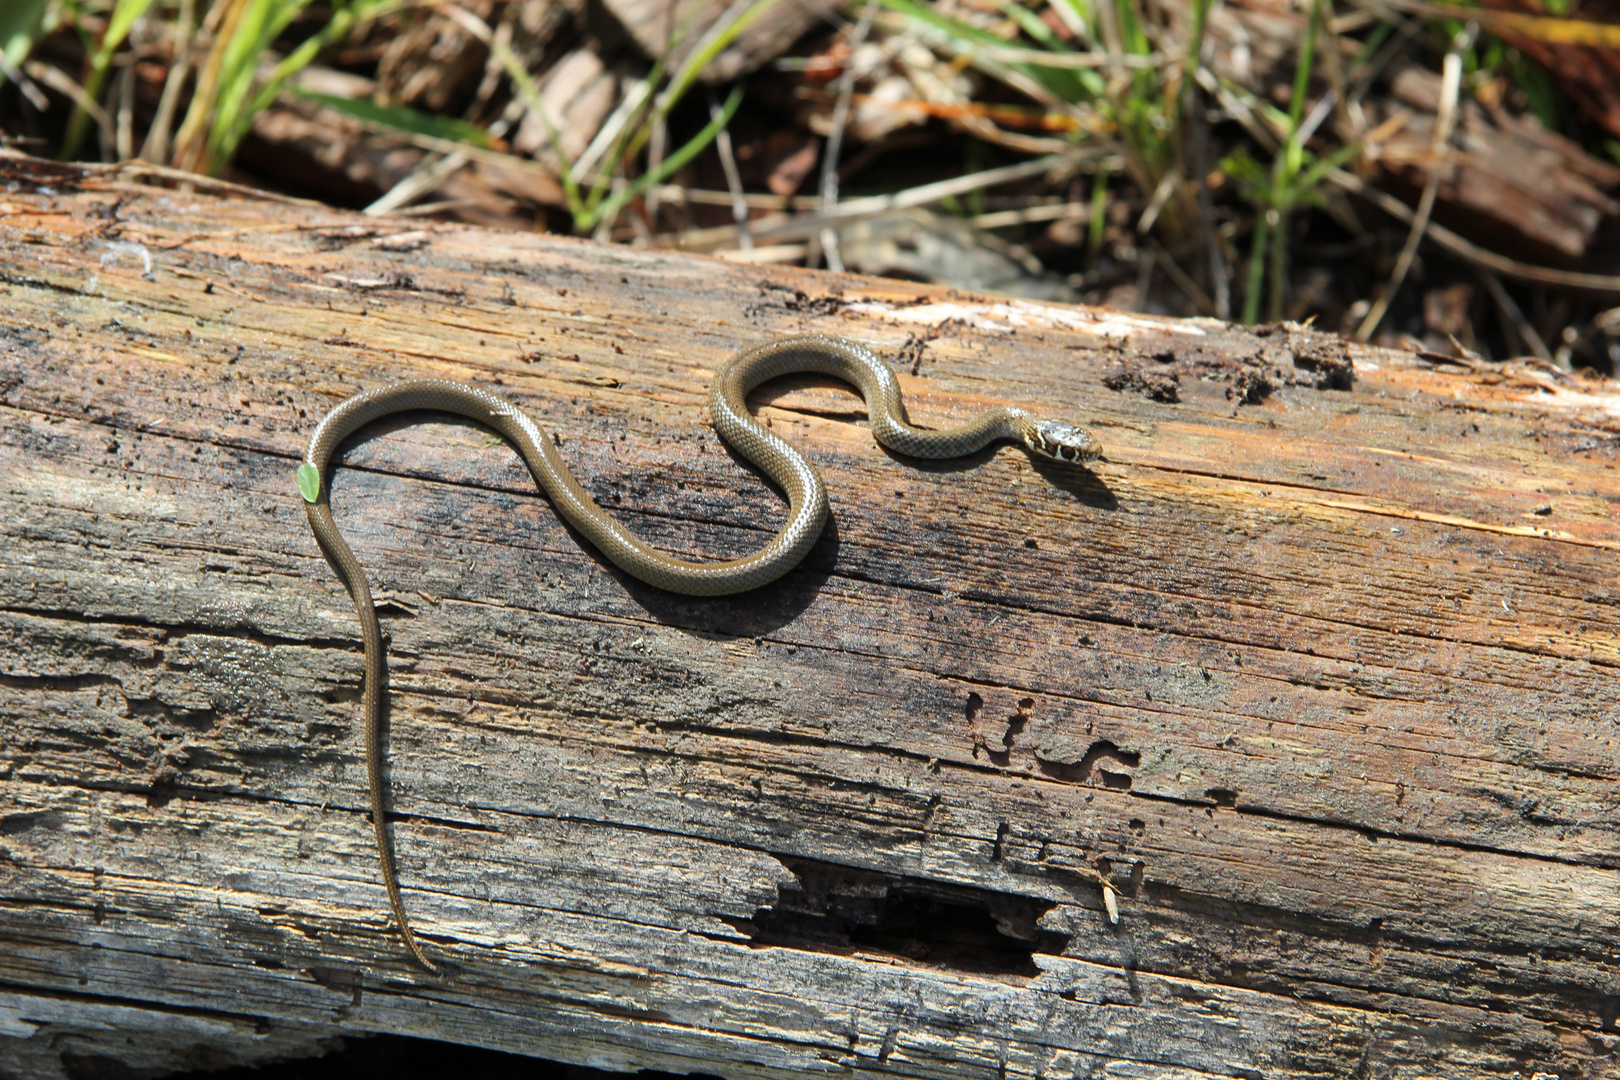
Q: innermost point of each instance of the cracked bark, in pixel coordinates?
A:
(1317, 683)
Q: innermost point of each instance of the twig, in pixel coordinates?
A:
(770, 254)
(1512, 315)
(1072, 19)
(657, 142)
(632, 101)
(426, 177)
(755, 201)
(476, 153)
(1196, 125)
(1023, 84)
(1155, 204)
(1352, 122)
(59, 82)
(1449, 240)
(1113, 48)
(603, 233)
(138, 168)
(140, 33)
(980, 120)
(527, 91)
(728, 163)
(1445, 121)
(1183, 281)
(1058, 211)
(808, 225)
(1375, 65)
(191, 142)
(156, 146)
(124, 141)
(826, 242)
(1240, 111)
(944, 100)
(1554, 30)
(36, 97)
(1146, 264)
(434, 171)
(1073, 61)
(440, 207)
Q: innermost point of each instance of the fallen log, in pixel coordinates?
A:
(1280, 743)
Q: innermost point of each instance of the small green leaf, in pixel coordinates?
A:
(309, 482)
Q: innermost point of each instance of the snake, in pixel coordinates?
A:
(839, 357)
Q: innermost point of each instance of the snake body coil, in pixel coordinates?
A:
(807, 497)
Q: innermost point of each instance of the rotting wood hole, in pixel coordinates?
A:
(1100, 753)
(1016, 723)
(1608, 1012)
(88, 1066)
(840, 910)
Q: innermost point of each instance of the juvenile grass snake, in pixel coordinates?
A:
(788, 469)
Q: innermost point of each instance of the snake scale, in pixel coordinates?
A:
(787, 468)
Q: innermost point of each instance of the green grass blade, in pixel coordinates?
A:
(721, 37)
(693, 65)
(1292, 151)
(1079, 15)
(1091, 84)
(1314, 175)
(667, 168)
(227, 134)
(1257, 268)
(1368, 49)
(526, 88)
(1066, 84)
(1099, 214)
(125, 12)
(400, 118)
(635, 133)
(261, 24)
(1191, 63)
(1031, 24)
(1279, 269)
(21, 23)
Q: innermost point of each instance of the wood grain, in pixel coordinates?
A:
(1316, 672)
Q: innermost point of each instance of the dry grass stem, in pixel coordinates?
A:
(728, 164)
(810, 225)
(1449, 240)
(57, 80)
(1445, 121)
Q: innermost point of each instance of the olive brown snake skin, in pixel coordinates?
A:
(788, 468)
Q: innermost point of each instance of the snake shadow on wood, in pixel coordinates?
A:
(752, 614)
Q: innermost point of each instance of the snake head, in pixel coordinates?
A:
(1062, 441)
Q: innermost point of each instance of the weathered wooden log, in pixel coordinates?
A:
(1313, 679)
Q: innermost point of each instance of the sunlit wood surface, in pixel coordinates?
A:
(1316, 685)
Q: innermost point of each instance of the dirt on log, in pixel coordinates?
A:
(1313, 679)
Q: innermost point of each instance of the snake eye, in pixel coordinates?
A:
(1064, 441)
